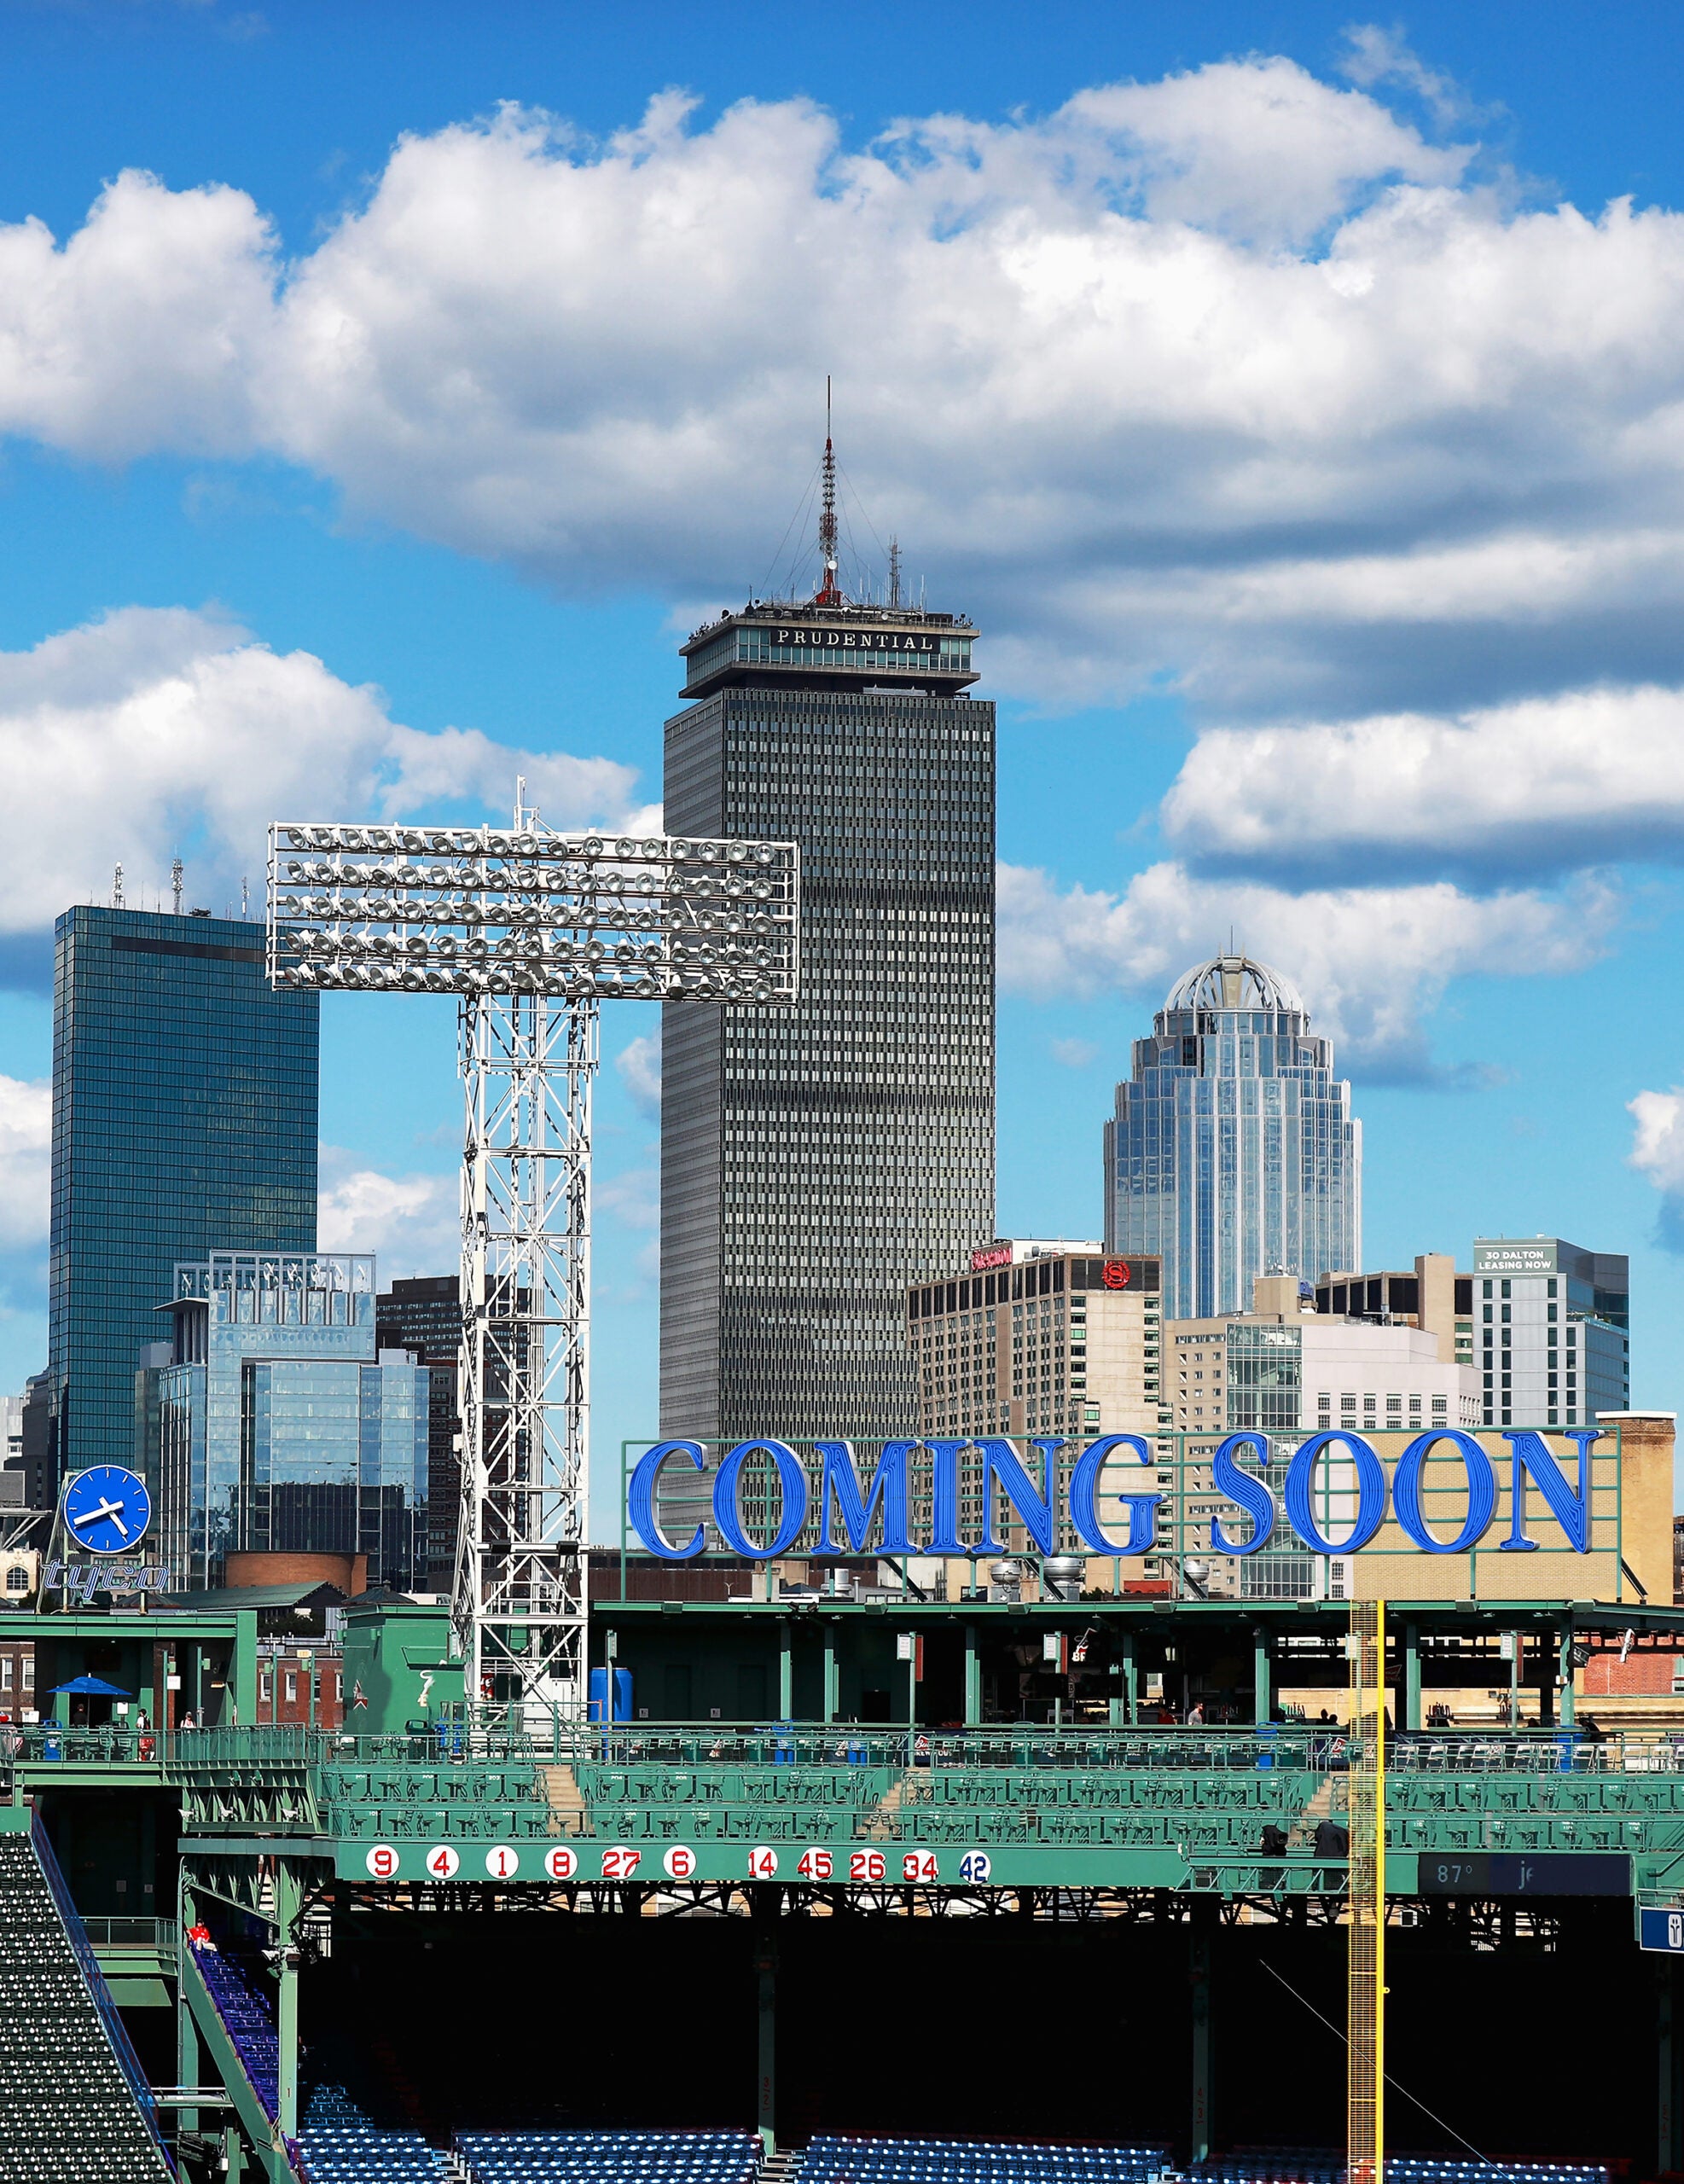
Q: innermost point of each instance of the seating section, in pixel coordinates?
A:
(398, 1801)
(69, 2108)
(610, 2156)
(1322, 2167)
(836, 2160)
(245, 2011)
(1502, 2172)
(343, 2146)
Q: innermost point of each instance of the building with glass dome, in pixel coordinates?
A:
(1233, 1151)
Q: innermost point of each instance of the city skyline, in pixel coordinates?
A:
(1413, 741)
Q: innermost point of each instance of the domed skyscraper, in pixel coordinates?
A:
(1233, 1151)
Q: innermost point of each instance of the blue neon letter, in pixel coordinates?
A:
(888, 1488)
(1084, 1487)
(944, 1498)
(793, 1482)
(1571, 1511)
(640, 1500)
(1370, 1493)
(1254, 1496)
(1482, 1492)
(1000, 1460)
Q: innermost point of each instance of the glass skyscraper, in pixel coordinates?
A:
(1233, 1152)
(184, 1117)
(423, 1316)
(278, 1427)
(817, 1159)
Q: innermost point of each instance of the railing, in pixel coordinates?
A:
(115, 2031)
(1317, 1748)
(159, 1934)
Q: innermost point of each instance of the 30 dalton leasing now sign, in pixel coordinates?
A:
(877, 1510)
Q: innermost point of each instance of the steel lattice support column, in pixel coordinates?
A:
(531, 929)
(523, 1376)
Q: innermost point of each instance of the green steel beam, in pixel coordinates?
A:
(231, 2073)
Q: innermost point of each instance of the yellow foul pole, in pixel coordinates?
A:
(1365, 1987)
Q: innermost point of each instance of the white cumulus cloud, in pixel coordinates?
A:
(1658, 1152)
(1372, 959)
(410, 1223)
(158, 730)
(25, 1151)
(1236, 381)
(1540, 785)
(639, 1064)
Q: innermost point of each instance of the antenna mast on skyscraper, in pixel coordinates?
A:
(829, 593)
(117, 890)
(894, 573)
(176, 882)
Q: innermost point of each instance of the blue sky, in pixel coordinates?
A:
(384, 391)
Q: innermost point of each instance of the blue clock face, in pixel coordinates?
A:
(106, 1510)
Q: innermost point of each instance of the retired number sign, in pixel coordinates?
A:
(816, 1863)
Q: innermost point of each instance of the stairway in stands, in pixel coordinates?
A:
(783, 2167)
(71, 2090)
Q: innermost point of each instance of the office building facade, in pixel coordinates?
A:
(1233, 1151)
(1554, 1330)
(184, 1113)
(1432, 1294)
(1042, 1337)
(423, 1316)
(817, 1159)
(1049, 1337)
(275, 1426)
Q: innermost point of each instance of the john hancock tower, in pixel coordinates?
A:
(817, 1159)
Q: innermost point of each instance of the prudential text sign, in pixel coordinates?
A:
(874, 1515)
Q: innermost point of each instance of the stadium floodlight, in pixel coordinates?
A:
(530, 930)
(573, 917)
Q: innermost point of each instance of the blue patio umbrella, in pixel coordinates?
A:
(90, 1687)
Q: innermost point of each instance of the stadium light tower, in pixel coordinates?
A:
(531, 930)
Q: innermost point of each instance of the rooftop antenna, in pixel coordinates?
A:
(828, 593)
(117, 890)
(894, 573)
(245, 897)
(176, 883)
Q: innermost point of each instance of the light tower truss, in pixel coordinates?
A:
(530, 929)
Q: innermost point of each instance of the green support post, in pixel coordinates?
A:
(1204, 1919)
(1261, 1694)
(190, 2057)
(286, 1905)
(233, 2153)
(1411, 1677)
(1131, 1681)
(765, 1905)
(786, 1674)
(242, 1669)
(829, 1673)
(972, 1678)
(1566, 1657)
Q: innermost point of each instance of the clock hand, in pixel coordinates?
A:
(112, 1509)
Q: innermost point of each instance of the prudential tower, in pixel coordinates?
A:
(817, 1159)
(1233, 1151)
